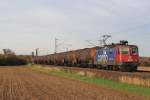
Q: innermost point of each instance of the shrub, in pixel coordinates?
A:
(6, 60)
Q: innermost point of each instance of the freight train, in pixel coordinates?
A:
(120, 56)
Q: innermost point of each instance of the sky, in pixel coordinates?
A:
(29, 24)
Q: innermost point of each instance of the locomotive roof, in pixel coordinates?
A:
(114, 45)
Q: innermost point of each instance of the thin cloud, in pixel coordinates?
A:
(35, 23)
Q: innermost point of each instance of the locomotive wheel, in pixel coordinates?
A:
(111, 67)
(115, 68)
(134, 68)
(126, 69)
(123, 69)
(108, 67)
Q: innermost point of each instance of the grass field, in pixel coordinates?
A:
(139, 90)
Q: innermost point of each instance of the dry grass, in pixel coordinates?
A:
(135, 81)
(90, 74)
(86, 77)
(82, 73)
(117, 76)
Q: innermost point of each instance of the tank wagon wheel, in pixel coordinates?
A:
(90, 66)
(99, 66)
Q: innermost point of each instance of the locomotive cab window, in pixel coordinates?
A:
(134, 50)
(123, 50)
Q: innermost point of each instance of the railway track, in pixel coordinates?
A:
(144, 69)
(139, 72)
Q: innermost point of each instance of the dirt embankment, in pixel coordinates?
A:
(20, 83)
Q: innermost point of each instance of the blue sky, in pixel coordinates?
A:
(29, 24)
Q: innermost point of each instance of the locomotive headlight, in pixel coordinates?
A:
(130, 58)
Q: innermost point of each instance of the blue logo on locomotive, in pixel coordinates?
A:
(105, 56)
(102, 57)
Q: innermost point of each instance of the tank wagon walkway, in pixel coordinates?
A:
(21, 83)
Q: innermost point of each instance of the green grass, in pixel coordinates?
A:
(139, 90)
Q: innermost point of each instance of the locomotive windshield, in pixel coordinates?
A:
(134, 50)
(124, 50)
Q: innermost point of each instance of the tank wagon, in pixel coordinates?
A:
(120, 56)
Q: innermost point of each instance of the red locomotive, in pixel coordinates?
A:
(119, 56)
